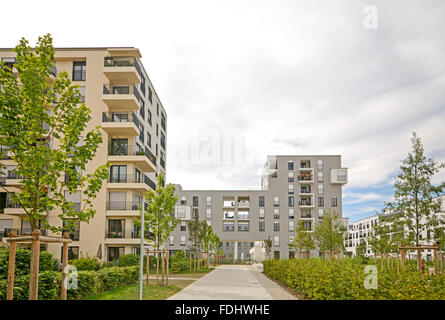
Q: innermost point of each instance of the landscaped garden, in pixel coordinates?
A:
(322, 279)
(95, 280)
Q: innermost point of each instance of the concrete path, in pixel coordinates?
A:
(232, 282)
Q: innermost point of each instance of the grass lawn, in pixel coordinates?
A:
(150, 292)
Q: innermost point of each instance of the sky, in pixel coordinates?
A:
(241, 80)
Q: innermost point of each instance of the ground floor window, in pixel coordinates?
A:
(114, 253)
(276, 254)
(73, 253)
(291, 254)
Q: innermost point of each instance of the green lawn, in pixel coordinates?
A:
(150, 292)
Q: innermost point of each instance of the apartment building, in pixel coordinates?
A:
(115, 85)
(293, 188)
(362, 230)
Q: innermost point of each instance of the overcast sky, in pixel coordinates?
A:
(241, 80)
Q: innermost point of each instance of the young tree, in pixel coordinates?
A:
(303, 239)
(413, 205)
(268, 247)
(329, 233)
(41, 125)
(360, 250)
(159, 216)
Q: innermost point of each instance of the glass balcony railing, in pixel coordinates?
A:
(123, 205)
(121, 117)
(123, 62)
(119, 90)
(305, 203)
(119, 149)
(305, 177)
(243, 215)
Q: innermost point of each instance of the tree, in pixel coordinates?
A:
(329, 233)
(268, 246)
(360, 250)
(159, 216)
(41, 127)
(302, 241)
(413, 207)
(197, 233)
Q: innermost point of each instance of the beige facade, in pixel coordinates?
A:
(116, 87)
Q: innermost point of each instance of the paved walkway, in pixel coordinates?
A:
(233, 282)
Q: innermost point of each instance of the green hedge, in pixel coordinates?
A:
(86, 263)
(88, 282)
(320, 279)
(23, 262)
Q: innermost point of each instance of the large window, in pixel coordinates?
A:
(195, 201)
(114, 253)
(290, 165)
(172, 241)
(209, 201)
(319, 164)
(261, 201)
(320, 176)
(291, 226)
(321, 201)
(243, 226)
(276, 213)
(182, 241)
(276, 201)
(261, 213)
(209, 213)
(276, 241)
(290, 189)
(183, 200)
(73, 252)
(116, 228)
(276, 226)
(290, 177)
(290, 201)
(183, 226)
(79, 70)
(320, 189)
(228, 226)
(181, 213)
(291, 213)
(334, 201)
(118, 173)
(262, 225)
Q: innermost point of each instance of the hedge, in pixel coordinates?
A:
(88, 282)
(23, 262)
(320, 279)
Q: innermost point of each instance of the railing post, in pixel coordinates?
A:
(34, 274)
(64, 264)
(11, 268)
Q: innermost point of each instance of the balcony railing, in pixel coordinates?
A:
(229, 215)
(13, 175)
(162, 162)
(121, 117)
(124, 234)
(149, 182)
(123, 62)
(243, 203)
(243, 216)
(305, 177)
(123, 205)
(125, 178)
(11, 204)
(120, 149)
(305, 203)
(19, 231)
(243, 227)
(110, 89)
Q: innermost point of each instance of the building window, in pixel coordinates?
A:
(118, 173)
(276, 226)
(276, 242)
(183, 200)
(261, 213)
(82, 94)
(79, 70)
(148, 116)
(291, 226)
(334, 201)
(209, 213)
(320, 189)
(290, 189)
(291, 213)
(321, 201)
(114, 253)
(290, 201)
(276, 213)
(320, 213)
(157, 109)
(195, 213)
(209, 201)
(276, 201)
(262, 226)
(73, 253)
(290, 177)
(307, 225)
(261, 201)
(291, 254)
(320, 164)
(149, 139)
(172, 241)
(341, 175)
(276, 254)
(243, 226)
(320, 176)
(195, 201)
(180, 213)
(228, 226)
(183, 226)
(182, 240)
(290, 165)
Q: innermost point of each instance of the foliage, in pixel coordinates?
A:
(41, 126)
(320, 279)
(128, 260)
(23, 262)
(302, 241)
(329, 233)
(268, 246)
(413, 207)
(114, 277)
(86, 263)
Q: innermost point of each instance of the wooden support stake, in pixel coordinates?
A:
(64, 264)
(443, 258)
(402, 257)
(419, 259)
(11, 269)
(168, 254)
(190, 255)
(157, 267)
(199, 260)
(435, 262)
(34, 272)
(147, 268)
(163, 265)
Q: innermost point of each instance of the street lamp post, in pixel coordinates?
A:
(141, 253)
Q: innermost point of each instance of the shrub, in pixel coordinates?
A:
(128, 260)
(114, 277)
(86, 263)
(87, 284)
(320, 279)
(23, 262)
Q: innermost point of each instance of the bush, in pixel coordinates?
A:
(23, 262)
(114, 277)
(320, 279)
(128, 260)
(87, 284)
(86, 263)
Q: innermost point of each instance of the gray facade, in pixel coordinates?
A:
(241, 217)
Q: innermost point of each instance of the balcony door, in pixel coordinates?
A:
(116, 228)
(118, 147)
(118, 173)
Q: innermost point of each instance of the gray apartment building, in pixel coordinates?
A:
(293, 188)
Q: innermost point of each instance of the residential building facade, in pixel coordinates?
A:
(362, 231)
(115, 86)
(293, 188)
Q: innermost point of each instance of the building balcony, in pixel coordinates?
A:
(339, 176)
(243, 216)
(229, 203)
(243, 204)
(305, 178)
(122, 70)
(306, 194)
(143, 158)
(20, 232)
(135, 182)
(306, 203)
(121, 123)
(122, 98)
(228, 215)
(13, 208)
